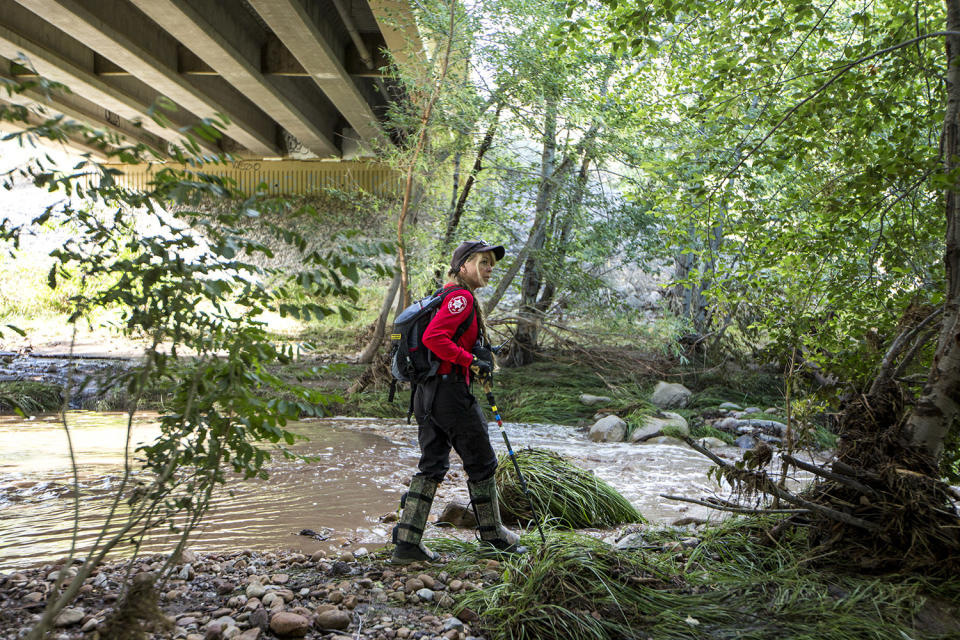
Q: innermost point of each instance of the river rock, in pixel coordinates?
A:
(769, 439)
(591, 400)
(222, 623)
(453, 623)
(425, 594)
(272, 600)
(773, 426)
(711, 443)
(750, 410)
(333, 619)
(745, 442)
(458, 515)
(654, 425)
(224, 587)
(632, 541)
(250, 634)
(609, 429)
(255, 590)
(667, 440)
(726, 424)
(284, 623)
(259, 618)
(68, 617)
(670, 395)
(731, 406)
(427, 580)
(446, 601)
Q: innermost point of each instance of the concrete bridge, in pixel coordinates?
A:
(298, 79)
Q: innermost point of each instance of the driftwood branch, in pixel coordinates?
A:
(770, 487)
(731, 508)
(918, 344)
(847, 470)
(831, 475)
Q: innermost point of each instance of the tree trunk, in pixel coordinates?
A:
(525, 338)
(369, 351)
(939, 406)
(566, 226)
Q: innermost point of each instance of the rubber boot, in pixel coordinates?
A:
(408, 533)
(486, 506)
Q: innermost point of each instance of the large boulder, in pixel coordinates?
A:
(608, 429)
(654, 425)
(670, 395)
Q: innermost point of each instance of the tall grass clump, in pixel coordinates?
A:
(562, 493)
(736, 583)
(30, 397)
(578, 588)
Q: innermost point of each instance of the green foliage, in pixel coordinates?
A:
(563, 494)
(547, 391)
(30, 397)
(709, 431)
(791, 157)
(184, 280)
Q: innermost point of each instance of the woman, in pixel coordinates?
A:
(449, 416)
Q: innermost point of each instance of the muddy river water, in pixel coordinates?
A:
(357, 480)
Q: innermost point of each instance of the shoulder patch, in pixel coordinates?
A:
(456, 304)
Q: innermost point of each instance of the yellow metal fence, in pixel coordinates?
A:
(287, 177)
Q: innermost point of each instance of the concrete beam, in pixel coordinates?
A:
(56, 56)
(117, 31)
(398, 27)
(77, 108)
(219, 39)
(289, 20)
(73, 143)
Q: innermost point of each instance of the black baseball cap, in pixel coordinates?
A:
(467, 249)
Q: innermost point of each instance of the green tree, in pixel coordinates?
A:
(185, 280)
(816, 142)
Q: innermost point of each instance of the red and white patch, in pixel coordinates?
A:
(456, 304)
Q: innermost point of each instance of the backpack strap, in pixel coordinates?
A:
(462, 329)
(413, 392)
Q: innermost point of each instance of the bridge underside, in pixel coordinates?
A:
(296, 79)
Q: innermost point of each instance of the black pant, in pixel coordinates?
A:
(449, 415)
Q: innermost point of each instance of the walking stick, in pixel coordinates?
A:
(487, 387)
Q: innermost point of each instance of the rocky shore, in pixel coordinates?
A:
(250, 596)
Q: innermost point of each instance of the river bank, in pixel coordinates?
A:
(640, 582)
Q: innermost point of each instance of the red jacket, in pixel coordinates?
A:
(438, 336)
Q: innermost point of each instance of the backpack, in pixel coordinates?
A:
(410, 361)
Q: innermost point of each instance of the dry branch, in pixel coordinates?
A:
(831, 475)
(767, 486)
(731, 508)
